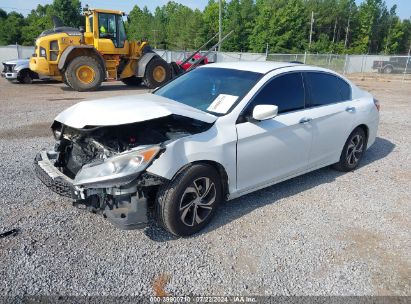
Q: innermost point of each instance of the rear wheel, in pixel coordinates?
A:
(187, 203)
(25, 77)
(157, 73)
(353, 151)
(84, 73)
(388, 70)
(133, 81)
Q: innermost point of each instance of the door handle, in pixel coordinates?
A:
(305, 120)
(350, 109)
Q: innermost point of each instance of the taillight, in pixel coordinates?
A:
(377, 104)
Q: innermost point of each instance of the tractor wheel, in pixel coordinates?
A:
(132, 81)
(158, 72)
(65, 80)
(84, 73)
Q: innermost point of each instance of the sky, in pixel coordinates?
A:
(24, 6)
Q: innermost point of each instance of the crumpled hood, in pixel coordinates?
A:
(17, 62)
(126, 110)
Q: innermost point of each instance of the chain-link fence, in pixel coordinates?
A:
(11, 52)
(391, 67)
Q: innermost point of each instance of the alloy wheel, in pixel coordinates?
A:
(197, 201)
(354, 150)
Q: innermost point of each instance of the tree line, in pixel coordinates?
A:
(281, 26)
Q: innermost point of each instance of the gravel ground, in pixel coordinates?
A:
(323, 233)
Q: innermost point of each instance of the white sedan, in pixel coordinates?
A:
(213, 134)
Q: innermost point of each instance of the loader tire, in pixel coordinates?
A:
(157, 73)
(84, 73)
(65, 80)
(132, 81)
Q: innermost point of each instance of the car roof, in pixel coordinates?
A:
(253, 66)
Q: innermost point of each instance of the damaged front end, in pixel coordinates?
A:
(104, 168)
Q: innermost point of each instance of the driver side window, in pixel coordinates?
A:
(285, 91)
(107, 27)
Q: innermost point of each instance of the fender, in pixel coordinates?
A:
(68, 50)
(21, 67)
(142, 63)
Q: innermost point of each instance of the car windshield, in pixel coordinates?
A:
(213, 90)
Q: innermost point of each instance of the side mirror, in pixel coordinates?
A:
(264, 112)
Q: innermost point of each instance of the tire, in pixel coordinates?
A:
(84, 73)
(157, 73)
(132, 81)
(65, 80)
(25, 77)
(183, 197)
(352, 152)
(388, 70)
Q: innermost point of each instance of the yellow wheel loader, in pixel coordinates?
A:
(83, 59)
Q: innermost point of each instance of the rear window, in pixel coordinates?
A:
(326, 88)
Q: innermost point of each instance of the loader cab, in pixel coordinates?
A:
(107, 30)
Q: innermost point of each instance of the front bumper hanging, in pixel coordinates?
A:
(124, 210)
(52, 177)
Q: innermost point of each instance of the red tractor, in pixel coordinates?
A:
(186, 65)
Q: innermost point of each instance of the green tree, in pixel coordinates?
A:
(3, 14)
(369, 15)
(281, 24)
(210, 17)
(139, 25)
(394, 38)
(10, 28)
(406, 39)
(36, 22)
(192, 33)
(159, 28)
(69, 12)
(240, 16)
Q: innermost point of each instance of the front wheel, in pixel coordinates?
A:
(187, 203)
(352, 152)
(157, 73)
(25, 77)
(84, 73)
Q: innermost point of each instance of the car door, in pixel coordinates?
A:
(112, 36)
(271, 150)
(331, 113)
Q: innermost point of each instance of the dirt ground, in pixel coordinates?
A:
(324, 233)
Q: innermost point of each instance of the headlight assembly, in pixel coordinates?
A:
(117, 170)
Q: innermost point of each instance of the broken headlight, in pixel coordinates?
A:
(116, 170)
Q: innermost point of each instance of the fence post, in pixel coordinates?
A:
(345, 64)
(305, 57)
(406, 68)
(406, 65)
(362, 64)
